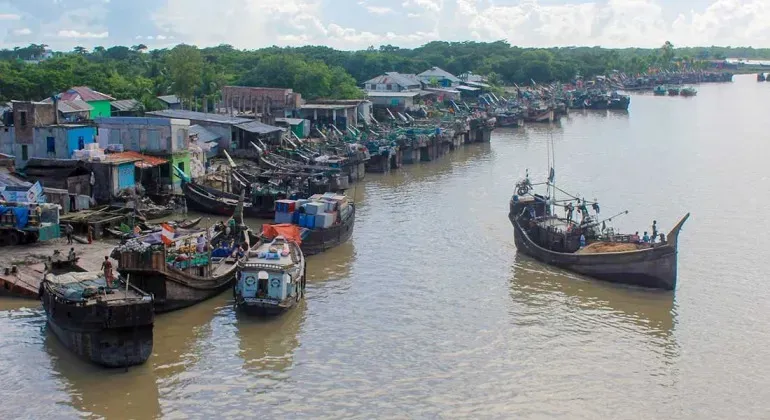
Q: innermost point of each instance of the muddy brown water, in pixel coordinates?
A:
(428, 312)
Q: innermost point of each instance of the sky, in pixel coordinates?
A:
(358, 24)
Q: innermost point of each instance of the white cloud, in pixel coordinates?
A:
(22, 32)
(379, 10)
(8, 16)
(69, 33)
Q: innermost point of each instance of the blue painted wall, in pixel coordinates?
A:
(74, 135)
(126, 175)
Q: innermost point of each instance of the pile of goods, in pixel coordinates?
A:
(133, 245)
(320, 211)
(273, 253)
(602, 247)
(90, 151)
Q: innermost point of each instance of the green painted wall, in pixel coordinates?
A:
(175, 160)
(101, 109)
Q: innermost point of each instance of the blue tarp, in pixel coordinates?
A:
(21, 213)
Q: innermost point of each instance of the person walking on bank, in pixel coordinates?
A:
(68, 230)
(107, 268)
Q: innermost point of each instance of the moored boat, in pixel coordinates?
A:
(659, 90)
(325, 221)
(689, 91)
(110, 325)
(271, 280)
(556, 241)
(177, 271)
(673, 91)
(761, 77)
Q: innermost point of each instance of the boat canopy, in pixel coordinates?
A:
(291, 232)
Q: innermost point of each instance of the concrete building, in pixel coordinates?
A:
(341, 113)
(36, 134)
(261, 103)
(234, 133)
(161, 137)
(393, 82)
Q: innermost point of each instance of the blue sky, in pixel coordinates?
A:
(356, 24)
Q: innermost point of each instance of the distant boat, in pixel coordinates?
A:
(271, 280)
(673, 91)
(761, 77)
(689, 91)
(659, 91)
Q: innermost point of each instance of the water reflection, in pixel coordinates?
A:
(333, 264)
(648, 311)
(267, 346)
(104, 393)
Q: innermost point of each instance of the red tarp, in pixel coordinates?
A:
(291, 232)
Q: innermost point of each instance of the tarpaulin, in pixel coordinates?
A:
(290, 232)
(21, 213)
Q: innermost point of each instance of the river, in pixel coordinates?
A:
(428, 312)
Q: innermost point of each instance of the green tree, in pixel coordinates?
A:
(185, 65)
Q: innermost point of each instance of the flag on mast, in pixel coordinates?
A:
(167, 234)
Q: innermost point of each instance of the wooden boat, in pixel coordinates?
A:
(317, 241)
(689, 91)
(673, 91)
(155, 213)
(271, 280)
(555, 241)
(659, 91)
(210, 200)
(176, 283)
(108, 326)
(761, 77)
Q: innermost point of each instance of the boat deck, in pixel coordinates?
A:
(72, 284)
(255, 261)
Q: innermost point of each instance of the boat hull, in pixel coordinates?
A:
(264, 307)
(320, 240)
(174, 291)
(219, 202)
(652, 268)
(109, 336)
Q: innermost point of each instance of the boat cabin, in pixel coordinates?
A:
(272, 272)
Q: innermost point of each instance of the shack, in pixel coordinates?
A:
(127, 108)
(67, 174)
(299, 126)
(115, 173)
(152, 172)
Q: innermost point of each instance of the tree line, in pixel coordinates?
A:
(195, 74)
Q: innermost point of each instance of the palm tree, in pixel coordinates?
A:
(80, 50)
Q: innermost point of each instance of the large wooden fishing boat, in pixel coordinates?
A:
(614, 258)
(318, 240)
(211, 200)
(177, 274)
(271, 280)
(109, 326)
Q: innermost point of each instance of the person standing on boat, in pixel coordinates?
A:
(646, 238)
(595, 206)
(654, 230)
(569, 209)
(582, 241)
(634, 238)
(201, 246)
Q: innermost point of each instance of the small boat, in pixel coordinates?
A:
(211, 200)
(761, 77)
(547, 238)
(659, 90)
(673, 91)
(689, 91)
(154, 213)
(110, 325)
(272, 279)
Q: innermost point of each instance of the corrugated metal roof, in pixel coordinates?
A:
(392, 77)
(290, 121)
(199, 116)
(467, 88)
(127, 105)
(204, 135)
(84, 93)
(327, 106)
(170, 99)
(71, 107)
(440, 73)
(258, 127)
(402, 94)
(141, 161)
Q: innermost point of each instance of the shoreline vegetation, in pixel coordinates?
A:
(196, 75)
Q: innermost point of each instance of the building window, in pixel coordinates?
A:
(50, 143)
(24, 155)
(81, 143)
(23, 118)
